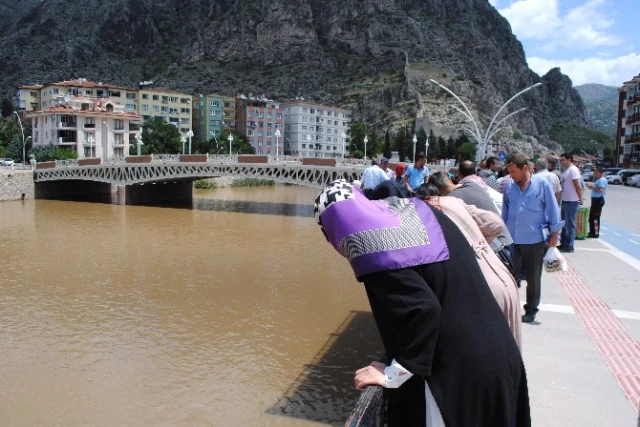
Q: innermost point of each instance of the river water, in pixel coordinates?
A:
(234, 312)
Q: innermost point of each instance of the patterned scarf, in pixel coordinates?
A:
(379, 235)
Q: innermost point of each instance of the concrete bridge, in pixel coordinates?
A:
(155, 178)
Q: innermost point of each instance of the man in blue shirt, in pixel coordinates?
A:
(530, 210)
(598, 192)
(416, 174)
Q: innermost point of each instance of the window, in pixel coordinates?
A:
(335, 148)
(55, 90)
(130, 107)
(268, 134)
(114, 93)
(118, 124)
(88, 92)
(312, 111)
(214, 103)
(304, 145)
(173, 110)
(89, 123)
(250, 133)
(34, 94)
(278, 116)
(184, 120)
(185, 100)
(269, 124)
(156, 97)
(268, 143)
(214, 113)
(156, 108)
(145, 107)
(145, 96)
(173, 99)
(304, 119)
(118, 138)
(305, 110)
(165, 109)
(304, 127)
(269, 115)
(131, 96)
(185, 110)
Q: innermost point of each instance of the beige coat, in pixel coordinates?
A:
(480, 227)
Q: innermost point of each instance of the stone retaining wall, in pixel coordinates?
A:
(16, 185)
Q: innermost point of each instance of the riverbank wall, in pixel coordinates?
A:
(16, 185)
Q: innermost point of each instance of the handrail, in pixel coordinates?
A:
(369, 409)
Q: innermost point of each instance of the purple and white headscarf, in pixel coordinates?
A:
(379, 235)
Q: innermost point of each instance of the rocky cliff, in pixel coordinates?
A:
(601, 104)
(374, 56)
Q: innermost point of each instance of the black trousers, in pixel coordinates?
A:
(528, 260)
(597, 203)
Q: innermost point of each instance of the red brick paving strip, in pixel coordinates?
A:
(620, 350)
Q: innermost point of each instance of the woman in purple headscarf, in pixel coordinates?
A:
(453, 359)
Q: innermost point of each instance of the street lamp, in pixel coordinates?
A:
(91, 140)
(139, 141)
(365, 147)
(415, 140)
(189, 135)
(24, 141)
(106, 153)
(426, 147)
(230, 138)
(344, 137)
(277, 137)
(183, 139)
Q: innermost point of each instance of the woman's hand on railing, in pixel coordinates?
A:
(370, 375)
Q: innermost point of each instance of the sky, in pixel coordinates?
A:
(592, 41)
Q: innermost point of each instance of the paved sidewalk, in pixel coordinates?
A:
(582, 353)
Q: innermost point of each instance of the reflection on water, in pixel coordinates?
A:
(128, 315)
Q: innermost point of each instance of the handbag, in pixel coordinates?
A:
(505, 257)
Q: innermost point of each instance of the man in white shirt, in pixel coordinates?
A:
(571, 201)
(550, 177)
(371, 177)
(384, 165)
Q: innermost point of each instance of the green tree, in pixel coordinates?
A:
(6, 107)
(401, 144)
(462, 139)
(158, 137)
(422, 142)
(45, 153)
(434, 147)
(467, 151)
(386, 148)
(10, 129)
(357, 132)
(451, 148)
(240, 143)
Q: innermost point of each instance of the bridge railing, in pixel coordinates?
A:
(165, 158)
(66, 163)
(222, 158)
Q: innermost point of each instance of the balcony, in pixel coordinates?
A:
(89, 125)
(134, 127)
(67, 125)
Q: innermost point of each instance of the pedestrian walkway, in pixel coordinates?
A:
(582, 352)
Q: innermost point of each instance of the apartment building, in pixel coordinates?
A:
(210, 116)
(628, 132)
(92, 127)
(260, 120)
(169, 105)
(313, 130)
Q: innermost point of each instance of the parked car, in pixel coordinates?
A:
(587, 176)
(628, 173)
(6, 162)
(633, 181)
(612, 171)
(614, 179)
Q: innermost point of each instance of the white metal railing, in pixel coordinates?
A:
(115, 159)
(66, 163)
(165, 158)
(353, 162)
(222, 158)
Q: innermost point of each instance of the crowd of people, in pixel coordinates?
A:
(441, 257)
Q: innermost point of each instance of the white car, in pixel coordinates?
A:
(632, 181)
(6, 162)
(614, 179)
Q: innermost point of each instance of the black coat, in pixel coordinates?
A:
(441, 322)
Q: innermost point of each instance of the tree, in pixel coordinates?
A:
(159, 137)
(401, 144)
(462, 139)
(467, 151)
(10, 132)
(422, 141)
(6, 107)
(386, 148)
(357, 132)
(45, 153)
(451, 148)
(240, 143)
(442, 146)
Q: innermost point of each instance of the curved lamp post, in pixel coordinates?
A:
(426, 147)
(106, 154)
(183, 139)
(190, 135)
(415, 140)
(494, 127)
(230, 138)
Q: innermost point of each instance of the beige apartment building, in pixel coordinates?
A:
(628, 132)
(173, 107)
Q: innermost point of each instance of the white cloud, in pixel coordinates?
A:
(608, 71)
(583, 27)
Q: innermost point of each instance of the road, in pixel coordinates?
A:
(621, 219)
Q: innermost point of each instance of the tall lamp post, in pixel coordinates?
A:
(190, 135)
(183, 139)
(344, 137)
(91, 140)
(277, 138)
(24, 141)
(230, 138)
(139, 141)
(106, 153)
(426, 147)
(365, 147)
(415, 140)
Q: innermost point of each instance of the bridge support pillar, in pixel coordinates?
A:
(118, 194)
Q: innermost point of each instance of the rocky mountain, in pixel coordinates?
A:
(601, 104)
(374, 56)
